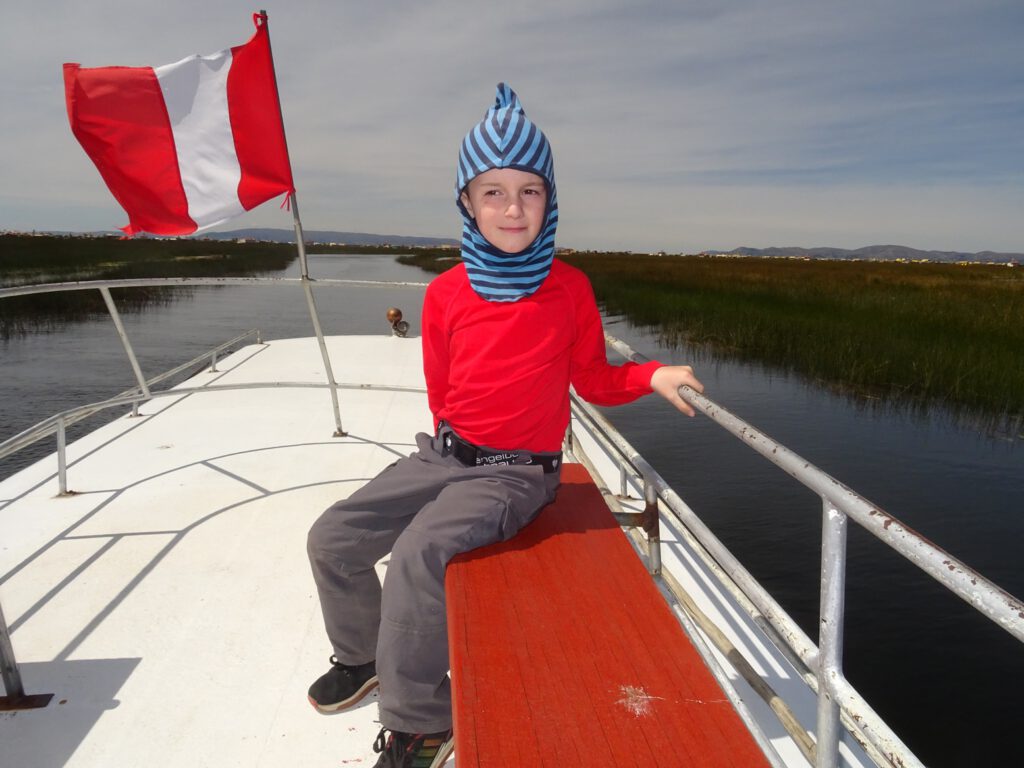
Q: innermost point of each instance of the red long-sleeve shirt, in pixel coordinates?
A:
(499, 372)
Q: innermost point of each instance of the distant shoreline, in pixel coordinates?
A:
(28, 259)
(326, 241)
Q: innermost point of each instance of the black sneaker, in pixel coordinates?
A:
(342, 686)
(413, 750)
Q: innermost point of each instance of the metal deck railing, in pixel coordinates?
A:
(15, 697)
(821, 664)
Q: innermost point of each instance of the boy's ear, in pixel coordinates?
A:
(464, 199)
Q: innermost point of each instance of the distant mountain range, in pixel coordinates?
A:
(876, 252)
(328, 236)
(871, 252)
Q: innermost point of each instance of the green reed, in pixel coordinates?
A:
(32, 259)
(911, 333)
(931, 332)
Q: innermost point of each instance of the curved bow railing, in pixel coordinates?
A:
(837, 699)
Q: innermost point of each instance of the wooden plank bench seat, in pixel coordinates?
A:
(564, 653)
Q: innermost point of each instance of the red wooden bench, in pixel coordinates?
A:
(564, 653)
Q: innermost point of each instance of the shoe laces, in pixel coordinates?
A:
(399, 745)
(379, 744)
(345, 668)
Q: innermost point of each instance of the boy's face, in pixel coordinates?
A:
(509, 207)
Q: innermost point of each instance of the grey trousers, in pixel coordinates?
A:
(424, 510)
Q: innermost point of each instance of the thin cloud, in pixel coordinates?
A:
(676, 126)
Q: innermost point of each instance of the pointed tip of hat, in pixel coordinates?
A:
(506, 97)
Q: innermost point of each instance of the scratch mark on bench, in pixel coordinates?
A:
(636, 700)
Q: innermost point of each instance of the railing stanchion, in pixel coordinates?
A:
(652, 526)
(15, 698)
(62, 457)
(112, 308)
(8, 664)
(830, 626)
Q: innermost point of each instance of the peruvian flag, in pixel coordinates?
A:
(189, 145)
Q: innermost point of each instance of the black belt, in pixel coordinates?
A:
(476, 456)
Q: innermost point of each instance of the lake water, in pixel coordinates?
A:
(948, 681)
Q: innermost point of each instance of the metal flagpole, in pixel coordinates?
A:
(307, 287)
(300, 244)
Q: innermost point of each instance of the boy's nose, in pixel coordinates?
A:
(514, 210)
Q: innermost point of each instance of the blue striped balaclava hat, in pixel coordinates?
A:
(506, 138)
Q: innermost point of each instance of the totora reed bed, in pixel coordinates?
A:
(917, 334)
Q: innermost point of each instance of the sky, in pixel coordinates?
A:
(677, 126)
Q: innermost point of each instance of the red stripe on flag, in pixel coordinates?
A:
(119, 117)
(255, 114)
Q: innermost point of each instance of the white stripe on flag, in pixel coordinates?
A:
(195, 92)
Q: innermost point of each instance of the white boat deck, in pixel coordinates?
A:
(168, 604)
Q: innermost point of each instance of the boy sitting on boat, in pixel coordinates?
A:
(504, 335)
